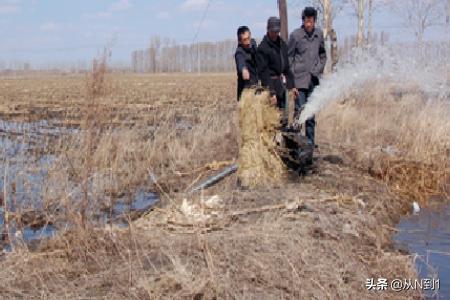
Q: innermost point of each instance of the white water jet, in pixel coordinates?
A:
(388, 64)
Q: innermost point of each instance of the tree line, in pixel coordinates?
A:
(165, 55)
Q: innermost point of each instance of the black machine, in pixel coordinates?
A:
(294, 149)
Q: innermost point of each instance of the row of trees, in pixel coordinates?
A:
(165, 55)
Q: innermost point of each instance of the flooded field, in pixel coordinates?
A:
(74, 149)
(427, 234)
(28, 155)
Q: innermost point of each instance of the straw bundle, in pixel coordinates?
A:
(259, 164)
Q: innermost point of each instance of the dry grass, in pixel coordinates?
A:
(259, 164)
(320, 237)
(395, 135)
(315, 246)
(125, 128)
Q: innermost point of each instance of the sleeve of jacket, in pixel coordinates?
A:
(239, 57)
(320, 66)
(290, 81)
(262, 66)
(292, 48)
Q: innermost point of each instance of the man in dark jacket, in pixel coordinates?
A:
(245, 57)
(307, 57)
(273, 64)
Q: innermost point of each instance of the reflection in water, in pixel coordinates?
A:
(428, 235)
(25, 161)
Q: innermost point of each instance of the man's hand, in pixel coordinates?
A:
(294, 92)
(245, 74)
(273, 100)
(315, 79)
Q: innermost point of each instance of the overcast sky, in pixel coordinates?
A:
(59, 31)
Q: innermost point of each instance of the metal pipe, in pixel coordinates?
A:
(216, 178)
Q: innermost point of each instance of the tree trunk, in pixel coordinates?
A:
(334, 53)
(360, 36)
(447, 20)
(327, 18)
(282, 7)
(369, 23)
(327, 28)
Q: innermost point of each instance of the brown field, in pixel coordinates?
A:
(320, 236)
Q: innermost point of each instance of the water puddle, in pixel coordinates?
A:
(25, 161)
(427, 234)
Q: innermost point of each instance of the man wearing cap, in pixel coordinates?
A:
(273, 64)
(245, 57)
(307, 57)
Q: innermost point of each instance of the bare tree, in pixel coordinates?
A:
(447, 20)
(359, 7)
(419, 15)
(327, 17)
(326, 14)
(361, 21)
(165, 55)
(328, 10)
(372, 6)
(140, 60)
(370, 10)
(155, 44)
(134, 61)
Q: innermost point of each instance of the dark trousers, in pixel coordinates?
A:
(243, 84)
(240, 89)
(310, 124)
(281, 104)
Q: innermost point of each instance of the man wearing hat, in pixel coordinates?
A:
(307, 57)
(245, 58)
(273, 64)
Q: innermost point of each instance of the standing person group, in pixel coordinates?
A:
(296, 66)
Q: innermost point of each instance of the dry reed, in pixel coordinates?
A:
(323, 249)
(396, 135)
(259, 164)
